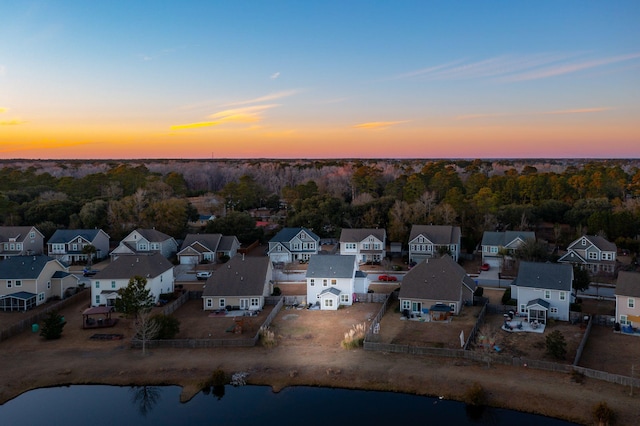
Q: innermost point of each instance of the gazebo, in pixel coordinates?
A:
(20, 301)
(537, 311)
(104, 317)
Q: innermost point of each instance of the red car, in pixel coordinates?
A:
(387, 278)
(485, 267)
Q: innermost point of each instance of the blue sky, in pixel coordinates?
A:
(319, 79)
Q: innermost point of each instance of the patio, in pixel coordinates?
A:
(517, 325)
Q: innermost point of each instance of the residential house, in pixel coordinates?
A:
(593, 253)
(543, 290)
(202, 221)
(29, 281)
(146, 241)
(436, 288)
(293, 245)
(20, 241)
(331, 280)
(241, 283)
(428, 241)
(67, 245)
(499, 247)
(198, 248)
(367, 244)
(155, 268)
(628, 299)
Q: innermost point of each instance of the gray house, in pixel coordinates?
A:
(20, 241)
(292, 245)
(67, 245)
(146, 241)
(498, 248)
(197, 248)
(427, 241)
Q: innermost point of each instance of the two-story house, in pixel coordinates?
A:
(437, 287)
(146, 241)
(628, 299)
(155, 268)
(293, 245)
(498, 247)
(29, 281)
(198, 248)
(368, 245)
(243, 282)
(543, 290)
(428, 241)
(593, 253)
(20, 241)
(67, 245)
(331, 280)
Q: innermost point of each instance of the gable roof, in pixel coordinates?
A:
(153, 235)
(125, 267)
(210, 241)
(24, 267)
(240, 276)
(436, 279)
(331, 266)
(355, 235)
(628, 284)
(547, 275)
(287, 234)
(437, 234)
(227, 242)
(65, 235)
(17, 232)
(600, 242)
(496, 238)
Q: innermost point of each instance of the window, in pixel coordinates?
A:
(553, 310)
(19, 246)
(221, 303)
(344, 298)
(523, 308)
(328, 303)
(97, 302)
(255, 302)
(155, 246)
(324, 282)
(32, 235)
(40, 297)
(74, 247)
(547, 294)
(452, 306)
(623, 320)
(113, 284)
(142, 246)
(48, 284)
(593, 255)
(97, 284)
(209, 303)
(631, 302)
(334, 281)
(563, 295)
(18, 283)
(9, 284)
(406, 304)
(494, 249)
(312, 282)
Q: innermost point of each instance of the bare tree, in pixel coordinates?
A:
(146, 328)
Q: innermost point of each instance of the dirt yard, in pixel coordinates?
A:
(308, 352)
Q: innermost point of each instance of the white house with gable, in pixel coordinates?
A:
(331, 280)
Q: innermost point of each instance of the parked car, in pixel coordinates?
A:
(387, 278)
(203, 275)
(89, 272)
(485, 267)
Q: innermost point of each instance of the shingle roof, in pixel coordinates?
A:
(7, 232)
(127, 266)
(552, 276)
(210, 241)
(287, 234)
(440, 279)
(437, 234)
(602, 243)
(628, 284)
(226, 243)
(65, 235)
(493, 238)
(153, 235)
(23, 267)
(355, 235)
(240, 276)
(331, 266)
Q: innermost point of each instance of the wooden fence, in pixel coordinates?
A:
(375, 322)
(583, 342)
(211, 343)
(33, 318)
(476, 327)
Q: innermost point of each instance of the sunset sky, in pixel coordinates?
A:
(319, 79)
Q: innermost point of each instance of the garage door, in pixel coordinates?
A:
(494, 262)
(188, 260)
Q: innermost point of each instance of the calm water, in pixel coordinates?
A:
(246, 405)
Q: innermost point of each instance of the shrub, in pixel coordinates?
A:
(506, 297)
(52, 326)
(603, 414)
(267, 337)
(475, 395)
(276, 291)
(354, 337)
(479, 291)
(575, 307)
(168, 326)
(556, 345)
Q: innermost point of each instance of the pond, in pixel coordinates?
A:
(97, 405)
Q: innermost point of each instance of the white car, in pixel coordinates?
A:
(203, 275)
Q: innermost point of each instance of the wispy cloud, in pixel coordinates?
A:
(555, 112)
(378, 125)
(3, 110)
(251, 114)
(266, 98)
(514, 67)
(578, 111)
(274, 75)
(13, 122)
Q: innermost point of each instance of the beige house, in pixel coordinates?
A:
(628, 299)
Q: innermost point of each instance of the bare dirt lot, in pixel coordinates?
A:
(308, 352)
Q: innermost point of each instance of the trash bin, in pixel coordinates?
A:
(34, 328)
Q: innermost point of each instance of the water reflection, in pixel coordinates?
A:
(145, 398)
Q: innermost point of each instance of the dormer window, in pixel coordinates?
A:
(584, 241)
